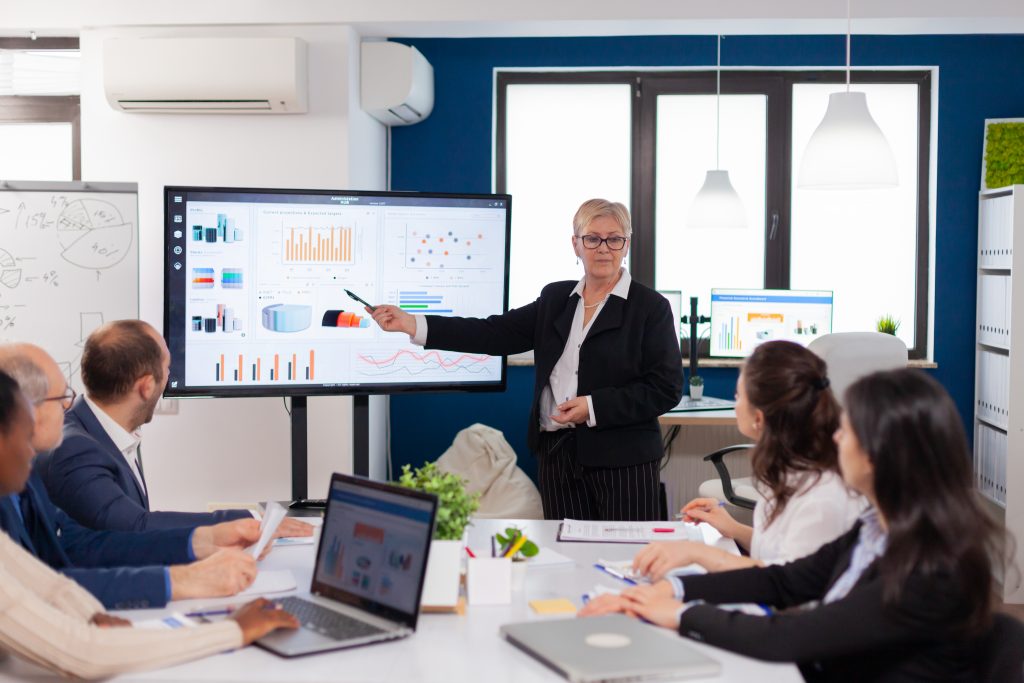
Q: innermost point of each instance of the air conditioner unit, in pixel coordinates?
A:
(396, 83)
(205, 75)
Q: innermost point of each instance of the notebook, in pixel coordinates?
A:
(369, 570)
(609, 648)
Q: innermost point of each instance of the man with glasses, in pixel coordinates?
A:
(606, 362)
(97, 475)
(122, 569)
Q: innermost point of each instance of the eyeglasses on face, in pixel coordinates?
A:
(615, 242)
(66, 400)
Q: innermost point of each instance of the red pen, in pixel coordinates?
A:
(470, 552)
(663, 531)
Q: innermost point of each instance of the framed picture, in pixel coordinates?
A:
(1002, 156)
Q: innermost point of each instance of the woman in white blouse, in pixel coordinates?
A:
(53, 622)
(784, 403)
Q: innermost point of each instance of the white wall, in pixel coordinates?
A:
(235, 449)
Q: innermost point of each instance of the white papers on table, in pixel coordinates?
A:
(628, 532)
(276, 581)
(171, 621)
(549, 558)
(273, 513)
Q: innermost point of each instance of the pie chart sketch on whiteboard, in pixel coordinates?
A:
(93, 234)
(10, 274)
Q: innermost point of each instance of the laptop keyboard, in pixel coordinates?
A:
(327, 622)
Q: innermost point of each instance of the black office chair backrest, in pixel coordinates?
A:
(1002, 659)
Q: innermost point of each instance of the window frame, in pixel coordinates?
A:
(777, 86)
(46, 108)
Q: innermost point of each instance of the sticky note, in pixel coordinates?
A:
(555, 606)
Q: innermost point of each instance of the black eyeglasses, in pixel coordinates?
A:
(615, 242)
(66, 401)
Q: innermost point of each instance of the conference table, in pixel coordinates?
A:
(446, 648)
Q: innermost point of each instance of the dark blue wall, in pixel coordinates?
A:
(979, 77)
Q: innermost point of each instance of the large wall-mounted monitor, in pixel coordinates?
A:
(255, 280)
(743, 318)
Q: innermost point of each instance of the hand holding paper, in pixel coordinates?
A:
(273, 515)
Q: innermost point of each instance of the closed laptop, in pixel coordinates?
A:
(609, 649)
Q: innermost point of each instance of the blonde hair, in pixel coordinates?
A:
(596, 208)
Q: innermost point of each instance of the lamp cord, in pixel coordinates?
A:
(718, 103)
(848, 31)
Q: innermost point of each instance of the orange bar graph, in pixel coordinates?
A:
(295, 366)
(241, 373)
(277, 368)
(259, 370)
(329, 244)
(222, 367)
(312, 366)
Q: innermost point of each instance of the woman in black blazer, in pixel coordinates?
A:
(607, 364)
(903, 596)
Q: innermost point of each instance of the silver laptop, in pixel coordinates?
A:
(369, 570)
(609, 648)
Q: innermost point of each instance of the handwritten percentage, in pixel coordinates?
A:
(52, 278)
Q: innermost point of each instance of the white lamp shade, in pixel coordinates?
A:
(847, 150)
(717, 205)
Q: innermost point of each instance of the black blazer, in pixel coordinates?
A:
(629, 364)
(852, 639)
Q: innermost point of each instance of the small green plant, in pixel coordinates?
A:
(454, 505)
(1004, 154)
(696, 381)
(511, 539)
(888, 325)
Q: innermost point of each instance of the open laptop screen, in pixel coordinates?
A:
(374, 545)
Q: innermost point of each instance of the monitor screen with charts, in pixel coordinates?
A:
(743, 318)
(256, 284)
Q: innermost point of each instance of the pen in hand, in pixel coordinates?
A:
(362, 301)
(686, 517)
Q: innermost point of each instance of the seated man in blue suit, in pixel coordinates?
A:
(122, 569)
(97, 474)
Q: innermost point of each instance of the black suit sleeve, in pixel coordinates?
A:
(497, 335)
(856, 624)
(660, 386)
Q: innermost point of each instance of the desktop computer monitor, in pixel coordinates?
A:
(743, 318)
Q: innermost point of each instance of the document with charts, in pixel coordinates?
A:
(628, 532)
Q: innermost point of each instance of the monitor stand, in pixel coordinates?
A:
(300, 443)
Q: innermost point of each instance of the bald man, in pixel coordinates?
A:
(122, 569)
(97, 474)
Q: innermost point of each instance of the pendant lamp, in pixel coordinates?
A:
(847, 151)
(717, 205)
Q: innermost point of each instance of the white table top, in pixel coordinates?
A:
(446, 648)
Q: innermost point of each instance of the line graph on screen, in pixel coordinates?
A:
(407, 362)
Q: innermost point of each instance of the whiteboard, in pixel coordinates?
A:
(69, 261)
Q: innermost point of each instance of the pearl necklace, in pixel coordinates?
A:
(597, 304)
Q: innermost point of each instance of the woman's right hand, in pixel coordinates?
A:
(393, 319)
(710, 511)
(655, 559)
(260, 617)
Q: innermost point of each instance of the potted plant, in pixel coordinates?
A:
(696, 387)
(888, 325)
(454, 508)
(514, 543)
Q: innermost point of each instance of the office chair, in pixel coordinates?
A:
(852, 355)
(1002, 656)
(849, 356)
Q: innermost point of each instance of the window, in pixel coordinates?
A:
(545, 120)
(39, 109)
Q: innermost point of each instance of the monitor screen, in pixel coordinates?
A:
(743, 318)
(255, 299)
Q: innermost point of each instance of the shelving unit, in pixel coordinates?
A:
(999, 368)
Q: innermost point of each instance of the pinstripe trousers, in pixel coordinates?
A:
(569, 490)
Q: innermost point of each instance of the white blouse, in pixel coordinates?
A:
(815, 514)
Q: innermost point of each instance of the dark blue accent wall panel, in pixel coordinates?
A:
(979, 77)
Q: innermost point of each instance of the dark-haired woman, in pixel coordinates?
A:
(782, 402)
(905, 595)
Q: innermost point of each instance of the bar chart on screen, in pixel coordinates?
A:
(330, 244)
(243, 368)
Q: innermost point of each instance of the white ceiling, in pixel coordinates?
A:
(465, 18)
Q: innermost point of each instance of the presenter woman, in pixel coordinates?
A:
(607, 364)
(906, 595)
(50, 620)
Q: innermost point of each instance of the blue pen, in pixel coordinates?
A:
(617, 574)
(210, 612)
(680, 515)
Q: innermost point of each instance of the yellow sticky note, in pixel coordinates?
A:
(555, 606)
